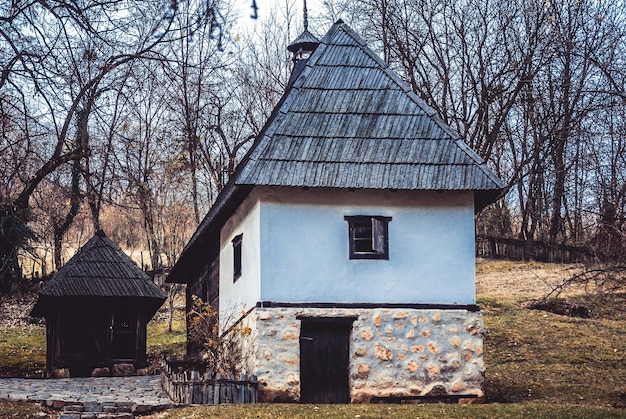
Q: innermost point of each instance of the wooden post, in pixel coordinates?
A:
(218, 396)
(241, 389)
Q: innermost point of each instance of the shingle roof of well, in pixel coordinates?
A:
(101, 269)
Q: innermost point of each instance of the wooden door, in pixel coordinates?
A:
(124, 334)
(324, 360)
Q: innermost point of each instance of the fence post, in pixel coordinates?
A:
(218, 396)
(241, 388)
(254, 389)
(230, 387)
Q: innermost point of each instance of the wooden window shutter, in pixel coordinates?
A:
(379, 236)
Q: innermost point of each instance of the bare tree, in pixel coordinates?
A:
(42, 42)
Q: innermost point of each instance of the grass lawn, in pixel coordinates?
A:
(533, 355)
(432, 411)
(161, 341)
(539, 364)
(22, 351)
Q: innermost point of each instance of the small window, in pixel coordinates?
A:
(368, 236)
(237, 257)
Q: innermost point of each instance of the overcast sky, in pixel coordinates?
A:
(244, 10)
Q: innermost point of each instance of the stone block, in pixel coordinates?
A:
(367, 334)
(290, 335)
(437, 390)
(101, 372)
(458, 386)
(57, 404)
(363, 370)
(61, 373)
(124, 407)
(455, 341)
(73, 408)
(109, 409)
(17, 397)
(383, 353)
(141, 408)
(433, 370)
(412, 365)
(92, 407)
(123, 370)
(360, 352)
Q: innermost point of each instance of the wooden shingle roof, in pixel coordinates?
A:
(101, 269)
(349, 121)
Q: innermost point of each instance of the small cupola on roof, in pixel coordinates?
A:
(304, 45)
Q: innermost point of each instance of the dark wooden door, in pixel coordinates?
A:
(324, 360)
(124, 338)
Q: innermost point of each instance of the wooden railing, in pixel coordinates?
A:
(188, 382)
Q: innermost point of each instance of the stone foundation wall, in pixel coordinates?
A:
(393, 352)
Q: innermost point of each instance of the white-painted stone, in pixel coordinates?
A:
(406, 366)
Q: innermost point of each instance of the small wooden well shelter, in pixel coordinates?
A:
(96, 308)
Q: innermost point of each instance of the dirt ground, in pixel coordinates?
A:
(525, 280)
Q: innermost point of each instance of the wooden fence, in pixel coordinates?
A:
(188, 382)
(490, 247)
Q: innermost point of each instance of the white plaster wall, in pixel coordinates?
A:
(304, 247)
(242, 294)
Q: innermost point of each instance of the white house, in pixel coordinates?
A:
(346, 236)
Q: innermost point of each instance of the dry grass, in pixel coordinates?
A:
(20, 410)
(533, 355)
(519, 280)
(295, 411)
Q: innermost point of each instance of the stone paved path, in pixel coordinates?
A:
(137, 394)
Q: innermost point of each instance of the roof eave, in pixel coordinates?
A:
(483, 198)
